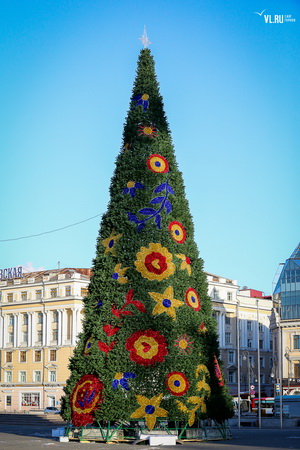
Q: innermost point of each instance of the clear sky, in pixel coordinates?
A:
(230, 83)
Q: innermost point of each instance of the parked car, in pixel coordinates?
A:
(51, 410)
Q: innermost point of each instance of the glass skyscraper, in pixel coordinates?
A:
(288, 287)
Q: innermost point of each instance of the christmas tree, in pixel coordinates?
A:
(149, 347)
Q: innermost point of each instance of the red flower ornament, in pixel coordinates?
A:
(177, 383)
(85, 398)
(147, 347)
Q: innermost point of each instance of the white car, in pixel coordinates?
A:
(51, 410)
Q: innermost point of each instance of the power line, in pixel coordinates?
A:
(51, 231)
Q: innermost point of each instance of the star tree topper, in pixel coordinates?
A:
(144, 38)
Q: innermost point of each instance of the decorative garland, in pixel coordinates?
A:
(157, 163)
(177, 383)
(184, 343)
(147, 347)
(85, 398)
(155, 262)
(110, 242)
(121, 379)
(118, 274)
(131, 188)
(192, 299)
(152, 213)
(177, 232)
(149, 409)
(166, 303)
(147, 131)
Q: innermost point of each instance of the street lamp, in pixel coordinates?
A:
(246, 357)
(287, 355)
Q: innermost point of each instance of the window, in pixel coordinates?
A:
(23, 356)
(271, 344)
(10, 297)
(52, 376)
(37, 376)
(84, 292)
(260, 327)
(261, 344)
(262, 362)
(30, 399)
(52, 355)
(297, 370)
(40, 318)
(229, 296)
(68, 291)
(262, 378)
(227, 338)
(24, 296)
(39, 335)
(227, 319)
(10, 338)
(215, 293)
(24, 337)
(38, 294)
(249, 343)
(231, 376)
(22, 376)
(25, 319)
(8, 376)
(11, 320)
(54, 335)
(249, 325)
(8, 357)
(55, 316)
(37, 356)
(231, 357)
(297, 342)
(251, 360)
(53, 292)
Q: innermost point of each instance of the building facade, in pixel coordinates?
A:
(285, 325)
(243, 315)
(40, 318)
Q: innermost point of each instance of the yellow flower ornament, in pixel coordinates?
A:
(155, 262)
(149, 409)
(119, 273)
(110, 242)
(166, 303)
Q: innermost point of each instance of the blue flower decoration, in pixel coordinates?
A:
(131, 188)
(141, 99)
(121, 379)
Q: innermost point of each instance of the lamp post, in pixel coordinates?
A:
(287, 355)
(246, 357)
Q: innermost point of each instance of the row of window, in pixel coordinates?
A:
(249, 341)
(37, 356)
(36, 376)
(250, 323)
(232, 358)
(39, 336)
(215, 295)
(232, 377)
(54, 292)
(24, 321)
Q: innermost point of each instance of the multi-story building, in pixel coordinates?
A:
(244, 315)
(285, 324)
(40, 319)
(39, 322)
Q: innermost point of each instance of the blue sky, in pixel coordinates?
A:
(230, 83)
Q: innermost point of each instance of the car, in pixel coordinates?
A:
(51, 410)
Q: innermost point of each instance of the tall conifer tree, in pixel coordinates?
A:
(149, 346)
